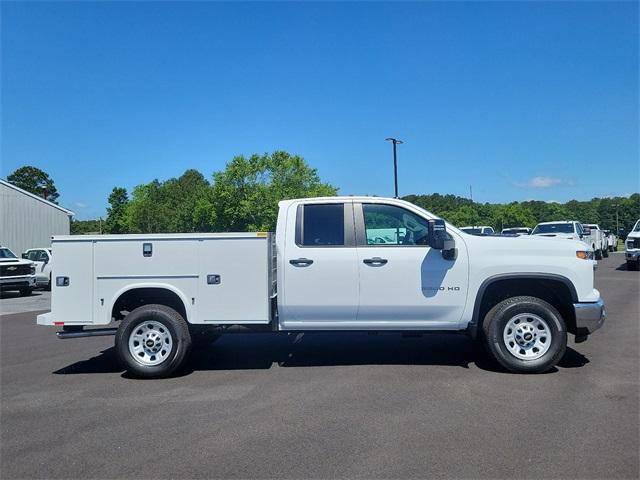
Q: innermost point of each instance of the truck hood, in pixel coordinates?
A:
(542, 245)
(634, 235)
(14, 261)
(571, 236)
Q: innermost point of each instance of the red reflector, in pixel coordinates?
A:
(58, 323)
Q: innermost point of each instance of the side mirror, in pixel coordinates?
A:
(25, 256)
(437, 234)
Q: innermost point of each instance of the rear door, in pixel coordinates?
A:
(320, 275)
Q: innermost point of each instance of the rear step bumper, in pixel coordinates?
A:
(77, 332)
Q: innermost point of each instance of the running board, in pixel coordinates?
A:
(94, 332)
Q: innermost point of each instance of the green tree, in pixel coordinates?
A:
(464, 216)
(36, 181)
(247, 192)
(117, 218)
(84, 227)
(514, 215)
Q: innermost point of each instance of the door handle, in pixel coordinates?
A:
(375, 261)
(301, 262)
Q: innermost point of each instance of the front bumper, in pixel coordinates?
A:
(632, 254)
(9, 283)
(589, 316)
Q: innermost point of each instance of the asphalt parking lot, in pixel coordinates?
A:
(325, 406)
(12, 302)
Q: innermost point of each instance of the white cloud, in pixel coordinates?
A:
(540, 182)
(80, 205)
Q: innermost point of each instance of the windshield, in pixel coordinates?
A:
(472, 231)
(6, 253)
(637, 227)
(553, 228)
(515, 230)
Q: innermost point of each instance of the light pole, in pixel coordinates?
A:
(395, 142)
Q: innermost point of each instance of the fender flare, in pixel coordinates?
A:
(472, 328)
(158, 285)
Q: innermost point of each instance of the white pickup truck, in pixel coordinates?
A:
(597, 240)
(632, 248)
(325, 269)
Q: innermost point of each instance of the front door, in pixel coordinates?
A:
(320, 268)
(404, 283)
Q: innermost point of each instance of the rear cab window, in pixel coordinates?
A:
(324, 225)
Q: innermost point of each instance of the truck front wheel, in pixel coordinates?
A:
(525, 334)
(152, 341)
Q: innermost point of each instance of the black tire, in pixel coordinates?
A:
(26, 291)
(632, 265)
(48, 287)
(605, 252)
(598, 254)
(176, 327)
(495, 324)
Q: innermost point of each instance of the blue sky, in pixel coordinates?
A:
(523, 100)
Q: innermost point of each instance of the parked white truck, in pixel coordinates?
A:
(324, 270)
(612, 240)
(632, 248)
(15, 273)
(597, 240)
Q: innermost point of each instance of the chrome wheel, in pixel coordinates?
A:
(150, 343)
(527, 336)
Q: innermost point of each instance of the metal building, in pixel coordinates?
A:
(28, 221)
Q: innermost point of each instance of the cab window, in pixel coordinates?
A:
(391, 225)
(322, 225)
(33, 255)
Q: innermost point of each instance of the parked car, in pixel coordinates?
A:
(41, 257)
(632, 248)
(322, 270)
(516, 231)
(567, 229)
(482, 230)
(612, 240)
(15, 273)
(597, 240)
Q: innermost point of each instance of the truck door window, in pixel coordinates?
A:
(323, 225)
(33, 255)
(391, 225)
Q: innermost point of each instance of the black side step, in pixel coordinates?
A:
(93, 332)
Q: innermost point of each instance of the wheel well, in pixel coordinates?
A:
(555, 292)
(137, 297)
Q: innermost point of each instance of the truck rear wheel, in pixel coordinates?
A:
(598, 254)
(605, 252)
(152, 341)
(525, 334)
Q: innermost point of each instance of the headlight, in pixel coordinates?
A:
(585, 254)
(33, 269)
